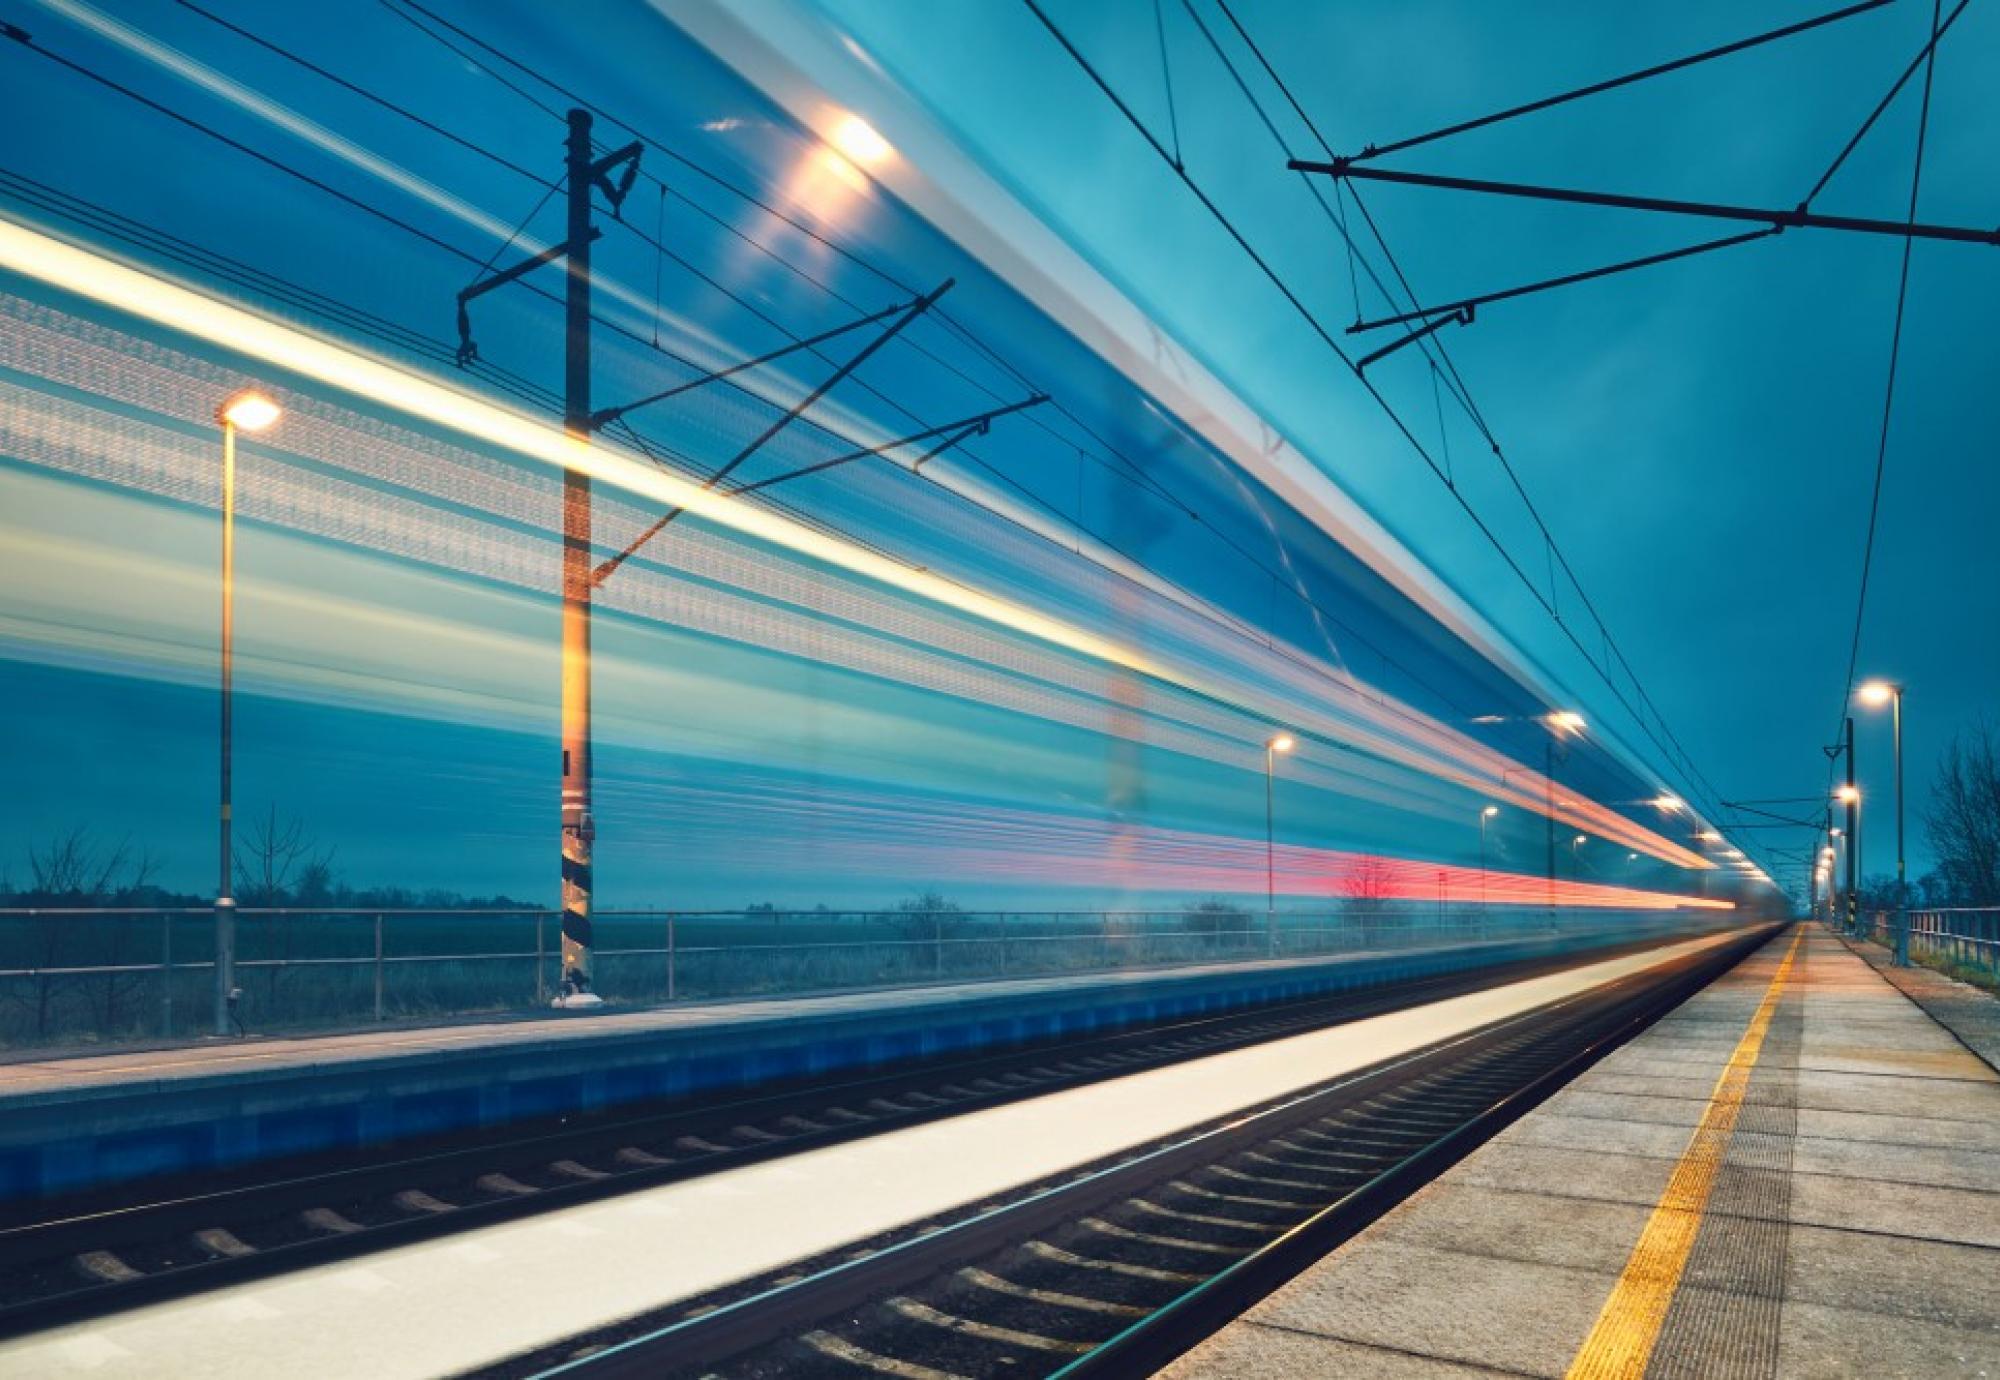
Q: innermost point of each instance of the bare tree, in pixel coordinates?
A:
(1364, 890)
(928, 915)
(275, 856)
(278, 865)
(1963, 817)
(73, 871)
(1215, 916)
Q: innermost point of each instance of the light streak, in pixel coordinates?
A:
(113, 284)
(863, 834)
(1363, 718)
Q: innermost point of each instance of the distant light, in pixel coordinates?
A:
(250, 411)
(1669, 802)
(1848, 795)
(1582, 839)
(1283, 742)
(1708, 836)
(1877, 693)
(1489, 718)
(857, 139)
(1489, 811)
(1566, 720)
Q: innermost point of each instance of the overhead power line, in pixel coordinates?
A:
(1611, 84)
(1675, 752)
(1468, 304)
(1106, 455)
(1895, 355)
(1318, 327)
(1687, 251)
(1777, 218)
(1924, 57)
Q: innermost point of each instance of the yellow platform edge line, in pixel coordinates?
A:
(1621, 1343)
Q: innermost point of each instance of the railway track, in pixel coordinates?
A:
(97, 1260)
(1118, 1270)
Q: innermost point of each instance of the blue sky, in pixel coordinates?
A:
(1699, 437)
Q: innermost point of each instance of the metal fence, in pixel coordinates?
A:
(111, 975)
(1965, 937)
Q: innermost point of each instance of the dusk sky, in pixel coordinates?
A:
(1700, 438)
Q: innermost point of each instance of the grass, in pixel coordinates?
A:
(1958, 969)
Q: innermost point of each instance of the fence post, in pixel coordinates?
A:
(937, 946)
(1003, 946)
(541, 962)
(378, 967)
(166, 975)
(673, 953)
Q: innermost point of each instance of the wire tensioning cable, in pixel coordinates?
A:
(1613, 83)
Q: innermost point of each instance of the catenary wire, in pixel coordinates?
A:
(1319, 328)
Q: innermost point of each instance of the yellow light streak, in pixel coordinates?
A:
(118, 285)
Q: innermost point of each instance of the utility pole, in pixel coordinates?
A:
(584, 176)
(613, 174)
(579, 830)
(1902, 894)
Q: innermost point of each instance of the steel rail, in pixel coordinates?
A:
(107, 1222)
(714, 1337)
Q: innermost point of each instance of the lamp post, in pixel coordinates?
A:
(1487, 815)
(1879, 693)
(1849, 795)
(1563, 724)
(249, 411)
(1275, 744)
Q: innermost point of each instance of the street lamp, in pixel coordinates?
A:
(1878, 693)
(1850, 796)
(1484, 815)
(249, 411)
(1275, 744)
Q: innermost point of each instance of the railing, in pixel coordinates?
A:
(1965, 937)
(109, 975)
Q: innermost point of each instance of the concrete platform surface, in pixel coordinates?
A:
(1795, 1174)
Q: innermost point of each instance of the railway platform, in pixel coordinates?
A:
(1796, 1173)
(69, 1124)
(527, 1293)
